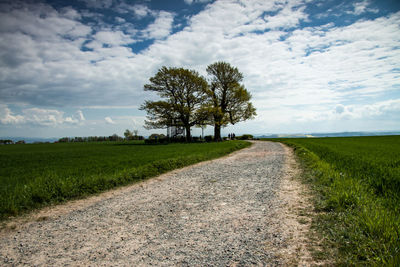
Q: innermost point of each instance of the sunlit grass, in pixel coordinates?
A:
(36, 175)
(357, 185)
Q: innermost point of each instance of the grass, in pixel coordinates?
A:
(36, 175)
(356, 182)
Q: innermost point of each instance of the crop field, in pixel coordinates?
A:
(356, 181)
(36, 175)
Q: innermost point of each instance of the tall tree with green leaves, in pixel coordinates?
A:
(228, 99)
(183, 94)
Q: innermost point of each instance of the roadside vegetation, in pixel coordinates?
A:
(35, 175)
(356, 182)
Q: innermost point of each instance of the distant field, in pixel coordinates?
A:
(357, 183)
(35, 175)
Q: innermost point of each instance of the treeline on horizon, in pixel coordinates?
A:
(112, 138)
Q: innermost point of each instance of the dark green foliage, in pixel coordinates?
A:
(6, 142)
(159, 141)
(357, 183)
(208, 138)
(228, 99)
(245, 137)
(35, 175)
(183, 93)
(157, 136)
(77, 139)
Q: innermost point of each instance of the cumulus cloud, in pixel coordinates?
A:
(50, 57)
(7, 117)
(113, 38)
(288, 17)
(38, 116)
(378, 110)
(109, 120)
(120, 20)
(142, 11)
(161, 27)
(270, 58)
(362, 7)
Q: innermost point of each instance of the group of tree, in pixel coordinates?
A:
(188, 99)
(6, 142)
(11, 142)
(113, 137)
(132, 135)
(77, 139)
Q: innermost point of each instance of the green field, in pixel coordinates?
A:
(356, 182)
(36, 175)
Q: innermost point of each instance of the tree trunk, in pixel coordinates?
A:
(217, 133)
(188, 135)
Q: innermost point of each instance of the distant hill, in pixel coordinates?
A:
(340, 134)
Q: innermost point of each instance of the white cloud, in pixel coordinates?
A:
(70, 13)
(109, 120)
(287, 18)
(38, 116)
(45, 117)
(120, 20)
(7, 117)
(289, 70)
(350, 112)
(142, 11)
(362, 7)
(42, 22)
(80, 115)
(161, 27)
(114, 38)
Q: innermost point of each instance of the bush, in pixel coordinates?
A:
(157, 136)
(208, 138)
(245, 137)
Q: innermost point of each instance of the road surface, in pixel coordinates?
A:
(238, 210)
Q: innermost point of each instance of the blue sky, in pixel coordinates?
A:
(77, 68)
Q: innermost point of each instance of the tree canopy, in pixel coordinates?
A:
(188, 100)
(183, 94)
(229, 101)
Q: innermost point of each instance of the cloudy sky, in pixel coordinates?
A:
(77, 67)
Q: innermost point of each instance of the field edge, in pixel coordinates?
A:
(350, 225)
(43, 193)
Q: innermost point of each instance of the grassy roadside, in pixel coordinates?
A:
(33, 176)
(356, 185)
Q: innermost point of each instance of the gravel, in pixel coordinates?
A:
(216, 213)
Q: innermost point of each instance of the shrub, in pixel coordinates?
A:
(246, 137)
(208, 138)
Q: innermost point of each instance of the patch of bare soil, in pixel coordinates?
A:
(294, 215)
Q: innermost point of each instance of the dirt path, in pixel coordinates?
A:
(239, 210)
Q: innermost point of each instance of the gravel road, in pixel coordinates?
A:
(225, 212)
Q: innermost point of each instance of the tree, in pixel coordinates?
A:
(183, 94)
(128, 134)
(229, 101)
(157, 136)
